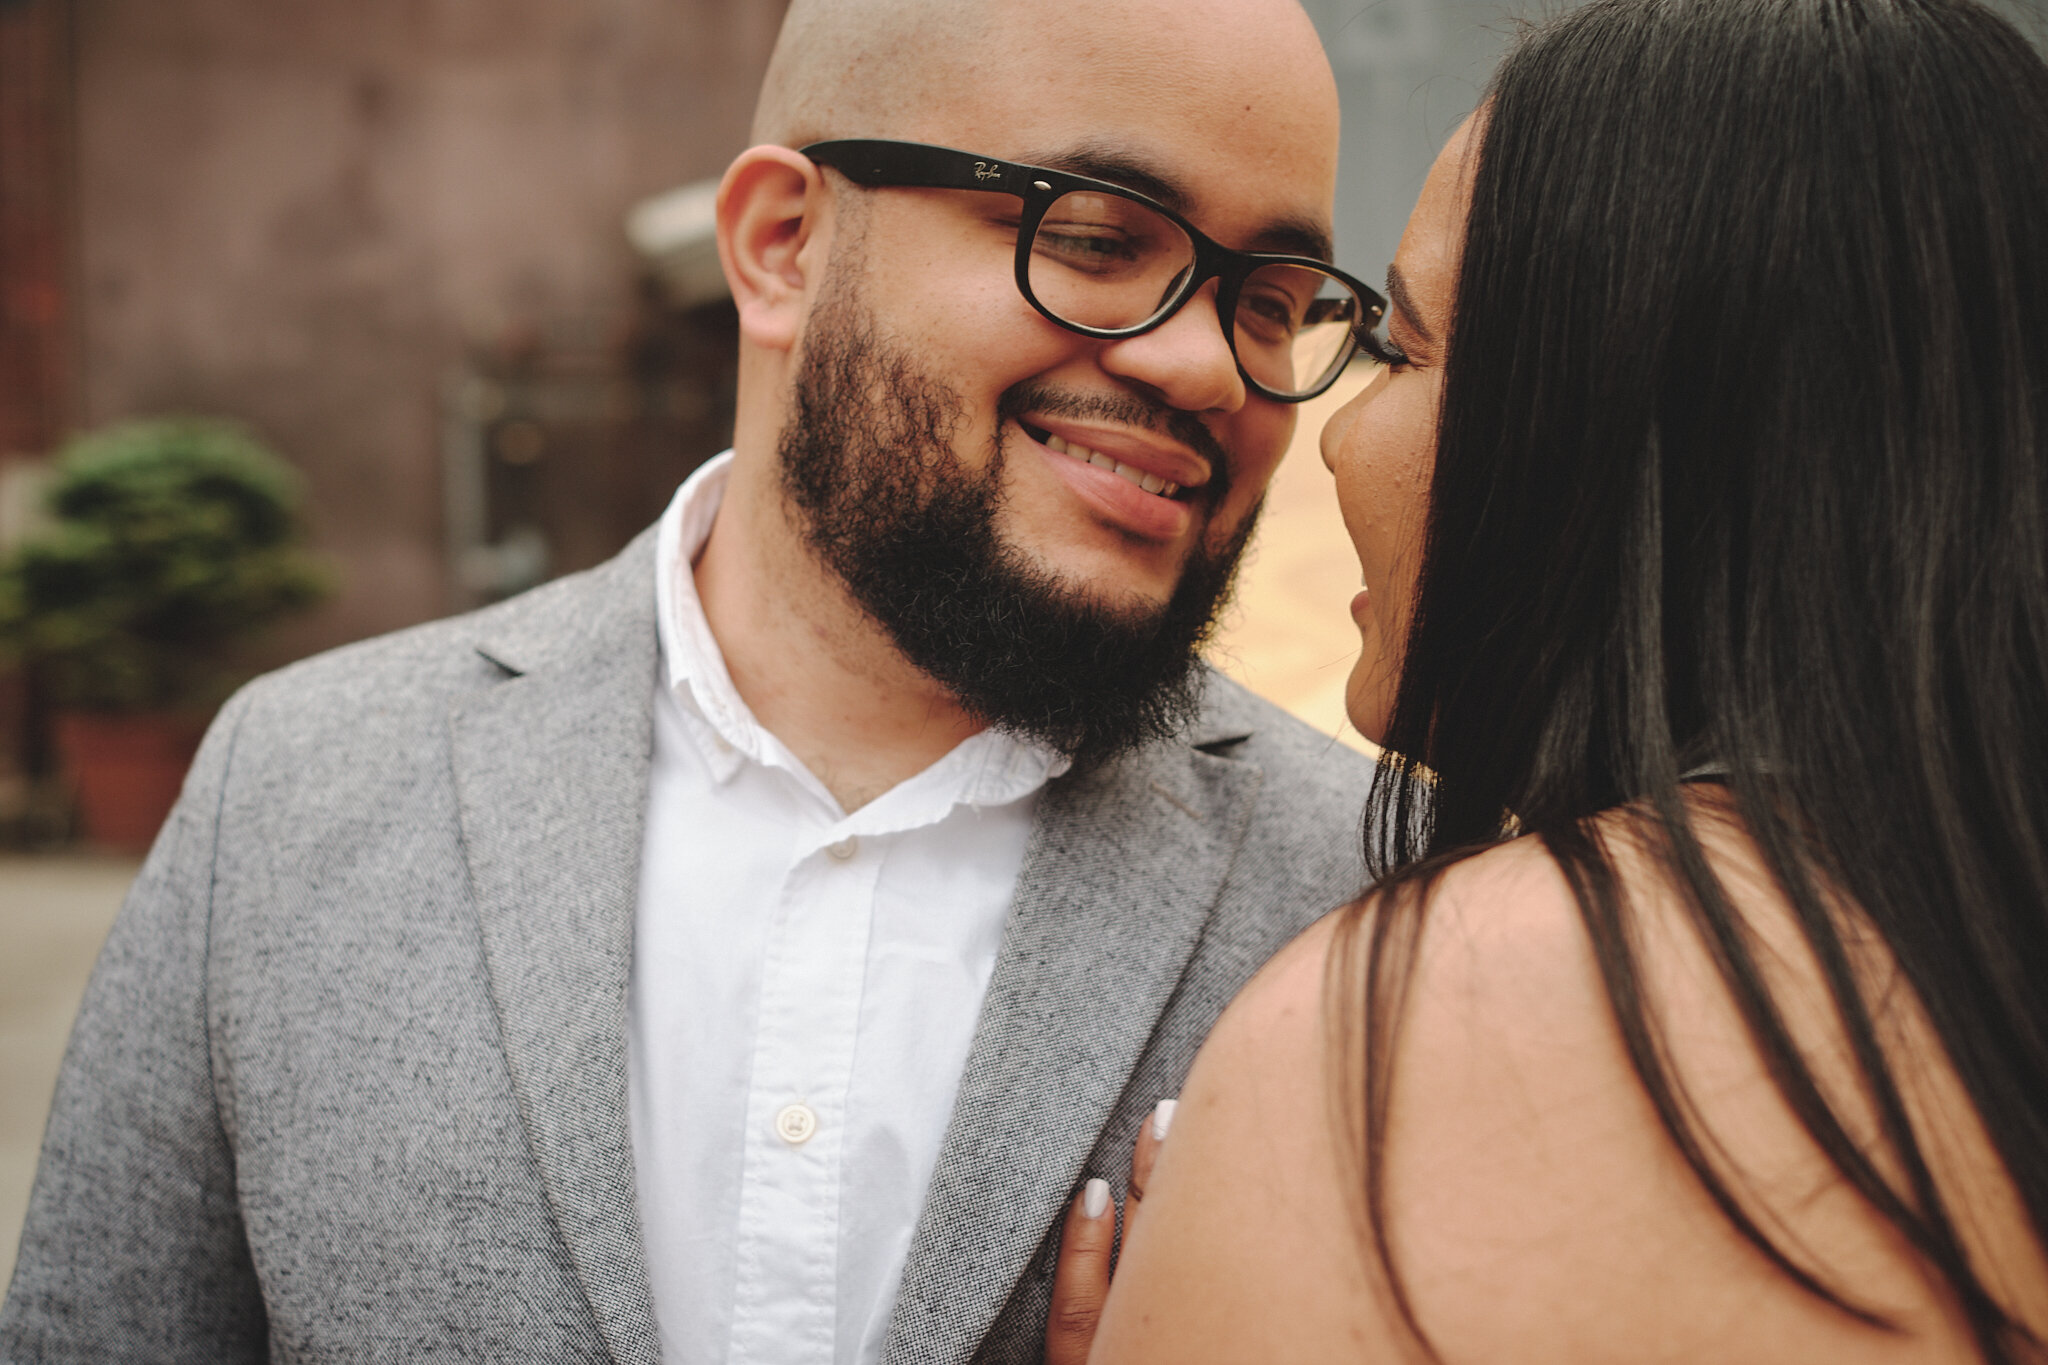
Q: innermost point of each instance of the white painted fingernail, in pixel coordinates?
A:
(1162, 1118)
(1095, 1198)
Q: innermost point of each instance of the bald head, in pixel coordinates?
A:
(854, 68)
(912, 68)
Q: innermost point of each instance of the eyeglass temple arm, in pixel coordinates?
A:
(870, 161)
(1325, 310)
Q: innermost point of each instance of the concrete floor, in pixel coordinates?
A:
(54, 913)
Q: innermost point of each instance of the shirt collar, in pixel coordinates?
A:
(986, 769)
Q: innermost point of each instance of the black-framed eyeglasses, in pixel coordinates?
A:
(1108, 262)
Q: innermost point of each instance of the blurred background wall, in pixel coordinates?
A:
(389, 237)
(1407, 72)
(310, 216)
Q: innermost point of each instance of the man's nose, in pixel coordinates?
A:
(1186, 360)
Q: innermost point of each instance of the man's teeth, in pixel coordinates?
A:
(1151, 483)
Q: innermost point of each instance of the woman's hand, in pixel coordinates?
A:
(1080, 1282)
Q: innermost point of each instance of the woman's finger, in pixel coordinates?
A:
(1080, 1282)
(1150, 1134)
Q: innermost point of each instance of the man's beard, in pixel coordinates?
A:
(868, 462)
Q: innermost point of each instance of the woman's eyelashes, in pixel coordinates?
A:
(1385, 351)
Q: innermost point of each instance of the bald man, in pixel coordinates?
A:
(740, 952)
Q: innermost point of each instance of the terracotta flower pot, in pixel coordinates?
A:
(126, 768)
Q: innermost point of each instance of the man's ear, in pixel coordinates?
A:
(770, 208)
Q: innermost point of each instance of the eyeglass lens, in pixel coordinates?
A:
(1106, 262)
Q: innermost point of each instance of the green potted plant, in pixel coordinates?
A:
(170, 542)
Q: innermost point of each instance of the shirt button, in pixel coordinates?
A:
(795, 1123)
(844, 849)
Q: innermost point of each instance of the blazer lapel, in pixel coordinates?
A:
(1123, 870)
(551, 771)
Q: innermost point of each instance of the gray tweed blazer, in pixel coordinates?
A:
(349, 1082)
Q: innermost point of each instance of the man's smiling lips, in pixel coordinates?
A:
(1139, 487)
(1151, 483)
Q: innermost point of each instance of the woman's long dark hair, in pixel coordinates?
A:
(1743, 463)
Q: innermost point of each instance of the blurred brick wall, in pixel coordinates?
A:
(35, 109)
(35, 336)
(305, 215)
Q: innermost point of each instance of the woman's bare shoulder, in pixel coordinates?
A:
(1245, 1251)
(1537, 1209)
(1255, 1243)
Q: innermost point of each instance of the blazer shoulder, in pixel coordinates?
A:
(584, 619)
(1302, 850)
(1236, 723)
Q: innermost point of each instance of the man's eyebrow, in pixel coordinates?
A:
(1397, 290)
(1294, 236)
(1118, 168)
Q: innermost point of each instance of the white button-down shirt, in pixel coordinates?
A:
(805, 985)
